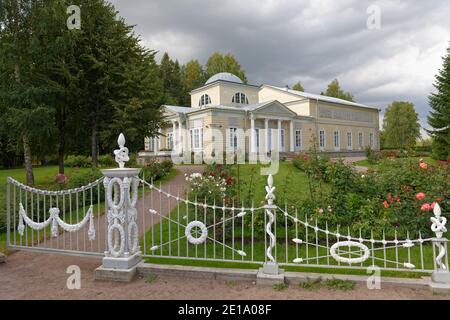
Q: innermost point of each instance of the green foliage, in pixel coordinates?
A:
(218, 62)
(193, 76)
(280, 286)
(107, 160)
(298, 86)
(311, 284)
(338, 284)
(382, 199)
(334, 90)
(372, 156)
(401, 126)
(78, 161)
(156, 170)
(439, 117)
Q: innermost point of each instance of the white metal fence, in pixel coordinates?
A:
(121, 215)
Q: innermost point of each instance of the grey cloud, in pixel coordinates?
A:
(280, 42)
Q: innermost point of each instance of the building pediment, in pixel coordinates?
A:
(275, 109)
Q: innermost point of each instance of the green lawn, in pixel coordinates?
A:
(291, 185)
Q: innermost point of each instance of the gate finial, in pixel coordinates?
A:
(121, 153)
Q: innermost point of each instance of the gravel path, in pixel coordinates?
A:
(352, 160)
(29, 275)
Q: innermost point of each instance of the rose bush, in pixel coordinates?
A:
(397, 195)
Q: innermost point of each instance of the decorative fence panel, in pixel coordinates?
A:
(67, 221)
(123, 217)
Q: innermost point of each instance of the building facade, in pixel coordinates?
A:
(227, 116)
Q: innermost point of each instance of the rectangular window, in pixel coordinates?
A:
(371, 139)
(257, 139)
(169, 141)
(196, 138)
(282, 137)
(233, 138)
(349, 141)
(360, 140)
(336, 139)
(298, 138)
(152, 144)
(269, 140)
(322, 139)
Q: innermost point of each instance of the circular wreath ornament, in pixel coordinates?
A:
(116, 249)
(133, 238)
(191, 238)
(337, 257)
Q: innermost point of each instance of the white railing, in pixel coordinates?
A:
(145, 220)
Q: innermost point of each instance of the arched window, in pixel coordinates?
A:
(239, 97)
(204, 100)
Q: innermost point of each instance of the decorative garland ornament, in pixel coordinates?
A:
(190, 237)
(56, 221)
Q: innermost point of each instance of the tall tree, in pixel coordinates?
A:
(110, 59)
(224, 63)
(401, 126)
(22, 94)
(298, 86)
(334, 90)
(170, 72)
(439, 117)
(193, 76)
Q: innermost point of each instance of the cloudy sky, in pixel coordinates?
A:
(279, 42)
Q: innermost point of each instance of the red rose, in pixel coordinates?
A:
(420, 196)
(386, 204)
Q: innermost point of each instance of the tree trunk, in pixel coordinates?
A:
(27, 160)
(62, 140)
(61, 156)
(94, 145)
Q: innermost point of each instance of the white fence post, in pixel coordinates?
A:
(121, 186)
(271, 265)
(441, 273)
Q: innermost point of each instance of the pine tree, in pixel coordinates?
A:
(439, 117)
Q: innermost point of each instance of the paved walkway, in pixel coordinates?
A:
(352, 160)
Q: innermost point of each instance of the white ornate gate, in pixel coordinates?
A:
(129, 218)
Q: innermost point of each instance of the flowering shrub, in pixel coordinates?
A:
(397, 195)
(156, 170)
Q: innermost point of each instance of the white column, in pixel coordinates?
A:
(159, 142)
(174, 139)
(180, 137)
(266, 134)
(291, 141)
(252, 134)
(279, 135)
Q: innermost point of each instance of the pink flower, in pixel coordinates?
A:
(432, 205)
(61, 178)
(425, 207)
(320, 210)
(423, 165)
(420, 196)
(386, 204)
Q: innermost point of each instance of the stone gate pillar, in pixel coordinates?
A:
(122, 253)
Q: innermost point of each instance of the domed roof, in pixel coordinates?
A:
(226, 76)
